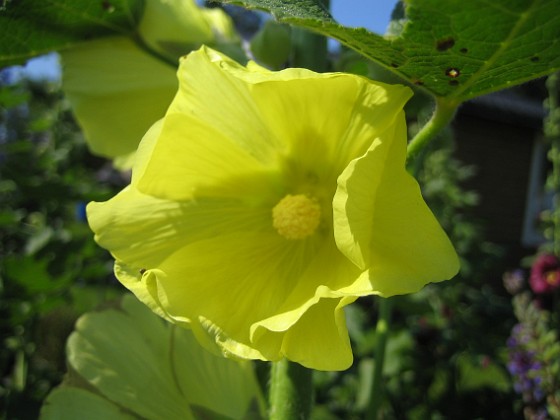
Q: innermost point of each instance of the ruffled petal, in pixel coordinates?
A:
(301, 341)
(117, 92)
(233, 280)
(319, 280)
(332, 337)
(144, 286)
(299, 338)
(245, 293)
(383, 224)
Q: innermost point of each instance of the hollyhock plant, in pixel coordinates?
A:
(545, 274)
(264, 202)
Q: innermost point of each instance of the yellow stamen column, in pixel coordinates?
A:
(296, 216)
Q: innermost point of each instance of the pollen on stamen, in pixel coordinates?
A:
(296, 216)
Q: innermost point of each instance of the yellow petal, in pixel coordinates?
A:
(220, 100)
(144, 286)
(202, 162)
(144, 231)
(331, 336)
(352, 113)
(144, 151)
(259, 280)
(249, 273)
(273, 107)
(383, 224)
(299, 338)
(117, 92)
(318, 281)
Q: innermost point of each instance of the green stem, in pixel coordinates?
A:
(381, 335)
(443, 114)
(290, 391)
(173, 62)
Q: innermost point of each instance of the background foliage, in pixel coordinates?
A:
(51, 271)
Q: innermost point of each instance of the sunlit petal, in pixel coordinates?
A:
(387, 230)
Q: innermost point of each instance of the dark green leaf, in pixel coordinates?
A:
(451, 48)
(475, 375)
(299, 10)
(32, 274)
(31, 27)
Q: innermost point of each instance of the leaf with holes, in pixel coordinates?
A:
(451, 48)
(30, 27)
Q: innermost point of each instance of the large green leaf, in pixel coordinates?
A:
(75, 403)
(132, 361)
(31, 27)
(452, 48)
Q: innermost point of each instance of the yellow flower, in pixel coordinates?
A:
(234, 224)
(118, 90)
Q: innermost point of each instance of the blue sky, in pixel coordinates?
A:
(371, 14)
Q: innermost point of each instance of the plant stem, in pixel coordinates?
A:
(443, 114)
(173, 62)
(290, 391)
(381, 334)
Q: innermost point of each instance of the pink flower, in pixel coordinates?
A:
(545, 274)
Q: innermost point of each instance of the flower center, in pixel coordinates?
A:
(296, 216)
(551, 277)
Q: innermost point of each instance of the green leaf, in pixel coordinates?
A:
(288, 10)
(451, 48)
(31, 27)
(136, 361)
(476, 374)
(75, 403)
(32, 274)
(117, 91)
